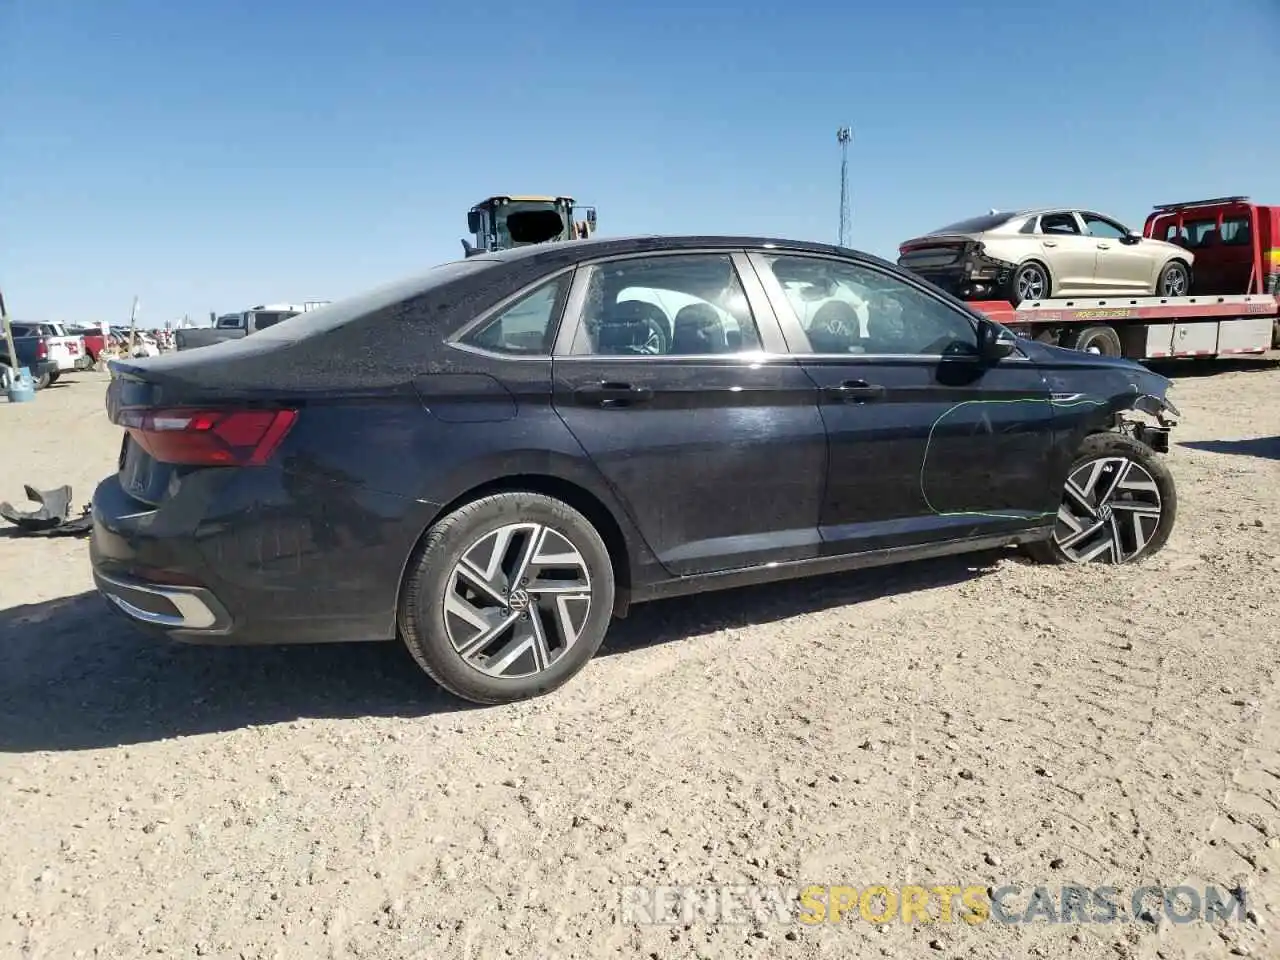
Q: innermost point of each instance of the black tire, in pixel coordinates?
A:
(426, 629)
(1028, 277)
(54, 375)
(1176, 276)
(1275, 335)
(1105, 446)
(1104, 339)
(43, 380)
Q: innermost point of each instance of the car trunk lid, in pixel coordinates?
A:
(934, 252)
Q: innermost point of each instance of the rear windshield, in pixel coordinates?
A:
(975, 224)
(343, 311)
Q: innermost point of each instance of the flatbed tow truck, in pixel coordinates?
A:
(1234, 308)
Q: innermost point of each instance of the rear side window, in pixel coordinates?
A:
(1059, 223)
(526, 327)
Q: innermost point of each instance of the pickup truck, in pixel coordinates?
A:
(231, 326)
(66, 350)
(33, 353)
(94, 341)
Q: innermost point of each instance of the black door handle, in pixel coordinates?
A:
(610, 394)
(856, 391)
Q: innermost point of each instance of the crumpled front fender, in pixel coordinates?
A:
(1159, 407)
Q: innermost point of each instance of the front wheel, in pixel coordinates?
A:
(1175, 280)
(508, 598)
(1119, 505)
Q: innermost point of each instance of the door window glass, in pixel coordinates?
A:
(1103, 229)
(1059, 224)
(849, 308)
(1235, 232)
(526, 327)
(679, 305)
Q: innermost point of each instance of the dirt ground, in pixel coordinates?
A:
(971, 722)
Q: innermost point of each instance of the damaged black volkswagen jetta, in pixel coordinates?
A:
(492, 460)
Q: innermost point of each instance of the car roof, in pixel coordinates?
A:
(589, 249)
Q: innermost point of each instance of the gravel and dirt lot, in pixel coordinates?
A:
(980, 721)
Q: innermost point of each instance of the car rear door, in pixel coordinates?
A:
(927, 442)
(1071, 255)
(671, 372)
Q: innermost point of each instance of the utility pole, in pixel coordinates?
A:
(133, 325)
(843, 136)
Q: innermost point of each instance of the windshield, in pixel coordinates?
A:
(975, 224)
(228, 320)
(519, 223)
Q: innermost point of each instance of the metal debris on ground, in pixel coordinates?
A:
(53, 518)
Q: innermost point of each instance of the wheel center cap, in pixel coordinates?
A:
(518, 600)
(1104, 513)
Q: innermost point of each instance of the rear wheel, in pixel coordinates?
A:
(1119, 505)
(1030, 282)
(1175, 280)
(44, 380)
(508, 598)
(1103, 340)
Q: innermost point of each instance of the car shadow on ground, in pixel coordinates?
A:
(1264, 448)
(1209, 367)
(75, 676)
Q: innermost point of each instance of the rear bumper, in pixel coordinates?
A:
(972, 277)
(233, 557)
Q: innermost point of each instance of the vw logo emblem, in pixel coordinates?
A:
(518, 601)
(1104, 513)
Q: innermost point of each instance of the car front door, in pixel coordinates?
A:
(1122, 262)
(1070, 254)
(671, 372)
(928, 442)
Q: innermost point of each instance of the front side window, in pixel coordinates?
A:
(1102, 228)
(1235, 232)
(847, 308)
(679, 305)
(525, 327)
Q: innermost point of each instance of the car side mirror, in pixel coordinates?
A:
(1131, 238)
(994, 341)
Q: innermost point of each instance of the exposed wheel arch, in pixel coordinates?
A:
(576, 496)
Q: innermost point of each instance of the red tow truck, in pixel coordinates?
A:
(1234, 307)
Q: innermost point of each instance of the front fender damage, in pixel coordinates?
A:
(1149, 418)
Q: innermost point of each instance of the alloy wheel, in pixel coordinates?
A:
(1111, 508)
(1031, 283)
(1175, 283)
(517, 600)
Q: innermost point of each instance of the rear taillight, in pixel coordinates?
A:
(42, 350)
(209, 438)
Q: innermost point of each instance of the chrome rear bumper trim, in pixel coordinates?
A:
(193, 614)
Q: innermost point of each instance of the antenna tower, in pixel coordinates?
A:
(843, 136)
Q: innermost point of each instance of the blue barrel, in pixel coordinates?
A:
(21, 388)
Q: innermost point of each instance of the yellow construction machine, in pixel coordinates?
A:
(500, 223)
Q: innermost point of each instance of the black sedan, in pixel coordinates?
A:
(495, 458)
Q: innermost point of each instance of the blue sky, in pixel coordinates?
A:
(211, 155)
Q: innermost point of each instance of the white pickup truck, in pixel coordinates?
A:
(66, 350)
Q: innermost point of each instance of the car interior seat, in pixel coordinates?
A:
(698, 329)
(633, 326)
(835, 328)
